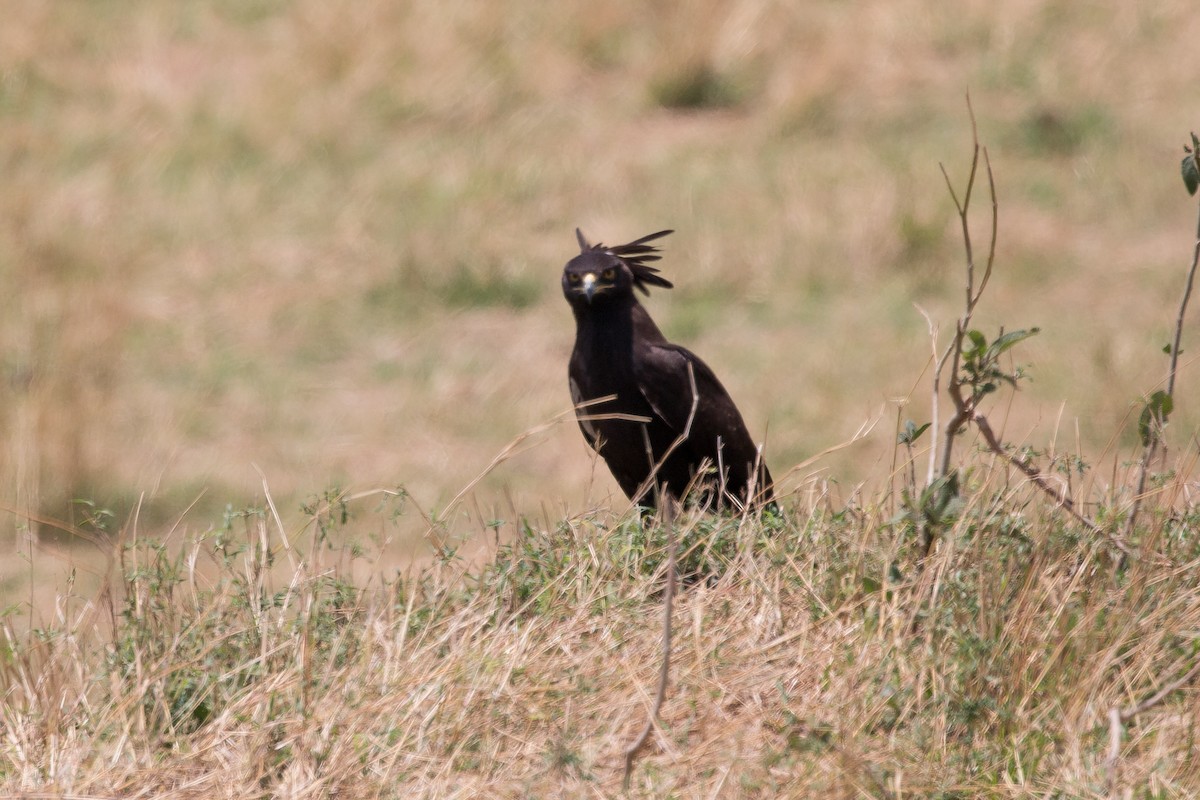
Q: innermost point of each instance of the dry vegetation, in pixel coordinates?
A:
(248, 243)
(809, 662)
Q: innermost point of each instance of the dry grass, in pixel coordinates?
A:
(244, 667)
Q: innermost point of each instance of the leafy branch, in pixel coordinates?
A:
(1153, 419)
(975, 368)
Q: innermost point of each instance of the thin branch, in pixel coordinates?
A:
(1114, 739)
(1183, 304)
(1117, 717)
(1139, 490)
(935, 413)
(1158, 423)
(664, 672)
(1034, 474)
(965, 206)
(668, 519)
(1150, 702)
(962, 411)
(991, 259)
(964, 408)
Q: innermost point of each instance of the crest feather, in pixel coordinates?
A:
(634, 255)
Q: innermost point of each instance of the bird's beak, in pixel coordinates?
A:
(589, 285)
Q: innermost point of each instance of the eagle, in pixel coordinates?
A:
(653, 410)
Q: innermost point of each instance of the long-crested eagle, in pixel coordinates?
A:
(670, 427)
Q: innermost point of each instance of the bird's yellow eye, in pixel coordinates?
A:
(572, 277)
(608, 274)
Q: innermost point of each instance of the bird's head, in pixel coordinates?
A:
(601, 274)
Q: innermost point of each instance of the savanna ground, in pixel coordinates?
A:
(252, 245)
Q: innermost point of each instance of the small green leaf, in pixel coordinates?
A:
(978, 339)
(1007, 340)
(1190, 168)
(1145, 426)
(911, 432)
(1154, 416)
(1191, 173)
(1167, 348)
(1163, 404)
(938, 497)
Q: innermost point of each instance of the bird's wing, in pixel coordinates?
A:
(717, 430)
(662, 376)
(589, 430)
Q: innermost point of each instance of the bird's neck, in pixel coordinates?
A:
(613, 326)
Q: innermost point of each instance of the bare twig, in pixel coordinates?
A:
(1114, 740)
(664, 672)
(668, 519)
(964, 407)
(1183, 304)
(1162, 694)
(1119, 716)
(1039, 479)
(1139, 490)
(936, 393)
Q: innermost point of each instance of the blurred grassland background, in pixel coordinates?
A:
(324, 240)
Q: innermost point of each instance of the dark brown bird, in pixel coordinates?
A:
(671, 418)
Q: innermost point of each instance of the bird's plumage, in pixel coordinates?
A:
(671, 416)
